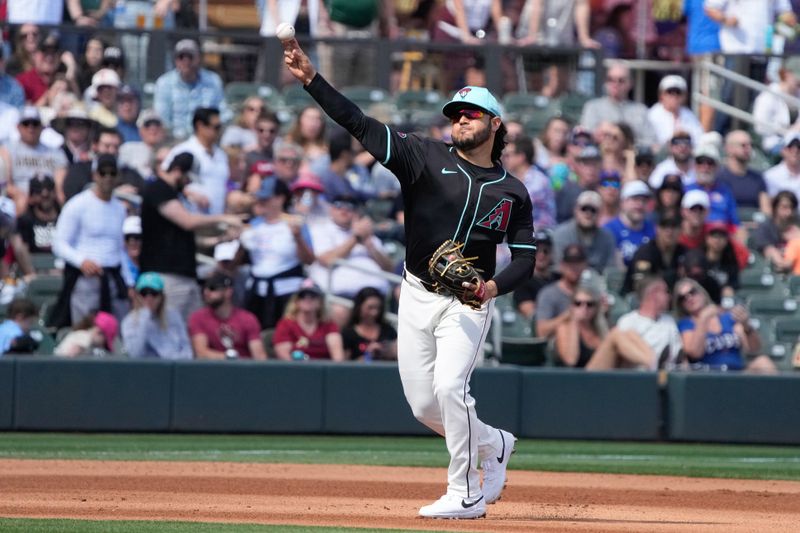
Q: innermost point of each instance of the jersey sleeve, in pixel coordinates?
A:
(403, 154)
(522, 246)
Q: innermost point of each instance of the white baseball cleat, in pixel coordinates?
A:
(494, 468)
(454, 507)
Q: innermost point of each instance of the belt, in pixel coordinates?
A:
(430, 287)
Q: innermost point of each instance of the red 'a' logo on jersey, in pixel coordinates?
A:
(497, 218)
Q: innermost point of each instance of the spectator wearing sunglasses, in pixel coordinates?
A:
(714, 339)
(152, 329)
(89, 239)
(179, 92)
(211, 165)
(139, 155)
(586, 168)
(609, 189)
(680, 161)
(661, 256)
(670, 113)
(28, 156)
(584, 230)
(722, 204)
(616, 106)
(578, 337)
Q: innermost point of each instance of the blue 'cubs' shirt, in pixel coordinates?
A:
(628, 240)
(722, 348)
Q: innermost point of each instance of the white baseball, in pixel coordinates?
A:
(284, 31)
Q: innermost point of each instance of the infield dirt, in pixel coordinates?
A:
(387, 497)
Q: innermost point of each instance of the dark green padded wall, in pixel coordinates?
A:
(6, 393)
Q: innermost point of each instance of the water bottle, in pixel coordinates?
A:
(367, 356)
(299, 355)
(504, 32)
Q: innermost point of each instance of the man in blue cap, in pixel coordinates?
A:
(457, 192)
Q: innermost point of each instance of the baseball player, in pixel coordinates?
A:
(458, 192)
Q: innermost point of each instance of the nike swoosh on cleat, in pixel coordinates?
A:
(445, 171)
(466, 505)
(503, 452)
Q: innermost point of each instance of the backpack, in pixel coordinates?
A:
(353, 13)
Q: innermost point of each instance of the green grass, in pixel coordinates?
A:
(15, 525)
(703, 460)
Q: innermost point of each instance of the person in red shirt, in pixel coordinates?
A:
(37, 80)
(305, 332)
(220, 330)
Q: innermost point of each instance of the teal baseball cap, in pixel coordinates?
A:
(150, 280)
(472, 96)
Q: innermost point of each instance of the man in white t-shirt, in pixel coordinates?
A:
(645, 338)
(669, 114)
(785, 176)
(348, 236)
(49, 12)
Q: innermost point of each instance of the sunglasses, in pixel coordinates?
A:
(215, 127)
(697, 208)
(611, 79)
(149, 292)
(610, 183)
(107, 174)
(292, 160)
(30, 124)
(214, 287)
(34, 34)
(267, 130)
(718, 233)
(472, 114)
(588, 209)
(344, 205)
(681, 141)
(674, 91)
(705, 161)
(683, 296)
(589, 304)
(185, 55)
(152, 123)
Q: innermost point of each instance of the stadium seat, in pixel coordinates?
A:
(754, 281)
(787, 329)
(44, 289)
(571, 105)
(42, 262)
(615, 277)
(364, 96)
(522, 351)
(770, 306)
(794, 285)
(750, 214)
(525, 103)
(296, 98)
(409, 102)
(47, 344)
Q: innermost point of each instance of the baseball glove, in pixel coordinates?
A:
(449, 269)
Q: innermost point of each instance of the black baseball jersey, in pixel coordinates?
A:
(445, 196)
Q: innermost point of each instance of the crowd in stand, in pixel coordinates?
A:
(130, 197)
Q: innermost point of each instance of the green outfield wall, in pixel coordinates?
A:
(50, 394)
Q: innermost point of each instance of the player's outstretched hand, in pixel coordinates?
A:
(297, 61)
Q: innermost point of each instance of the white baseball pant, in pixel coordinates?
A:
(440, 340)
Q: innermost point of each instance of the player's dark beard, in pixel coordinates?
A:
(479, 137)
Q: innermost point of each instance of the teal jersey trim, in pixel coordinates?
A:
(466, 203)
(529, 246)
(388, 145)
(478, 201)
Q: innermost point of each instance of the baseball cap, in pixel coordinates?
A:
(183, 161)
(791, 137)
(218, 280)
(574, 253)
(579, 131)
(589, 152)
(150, 280)
(310, 290)
(707, 150)
(127, 91)
(694, 198)
(673, 81)
(30, 112)
(226, 251)
(113, 57)
(271, 187)
(49, 42)
(75, 114)
(39, 182)
(644, 156)
(716, 225)
(104, 162)
(148, 115)
(589, 198)
(673, 182)
(132, 226)
(107, 324)
(635, 188)
(307, 182)
(187, 46)
(106, 77)
(472, 96)
(669, 221)
(543, 237)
